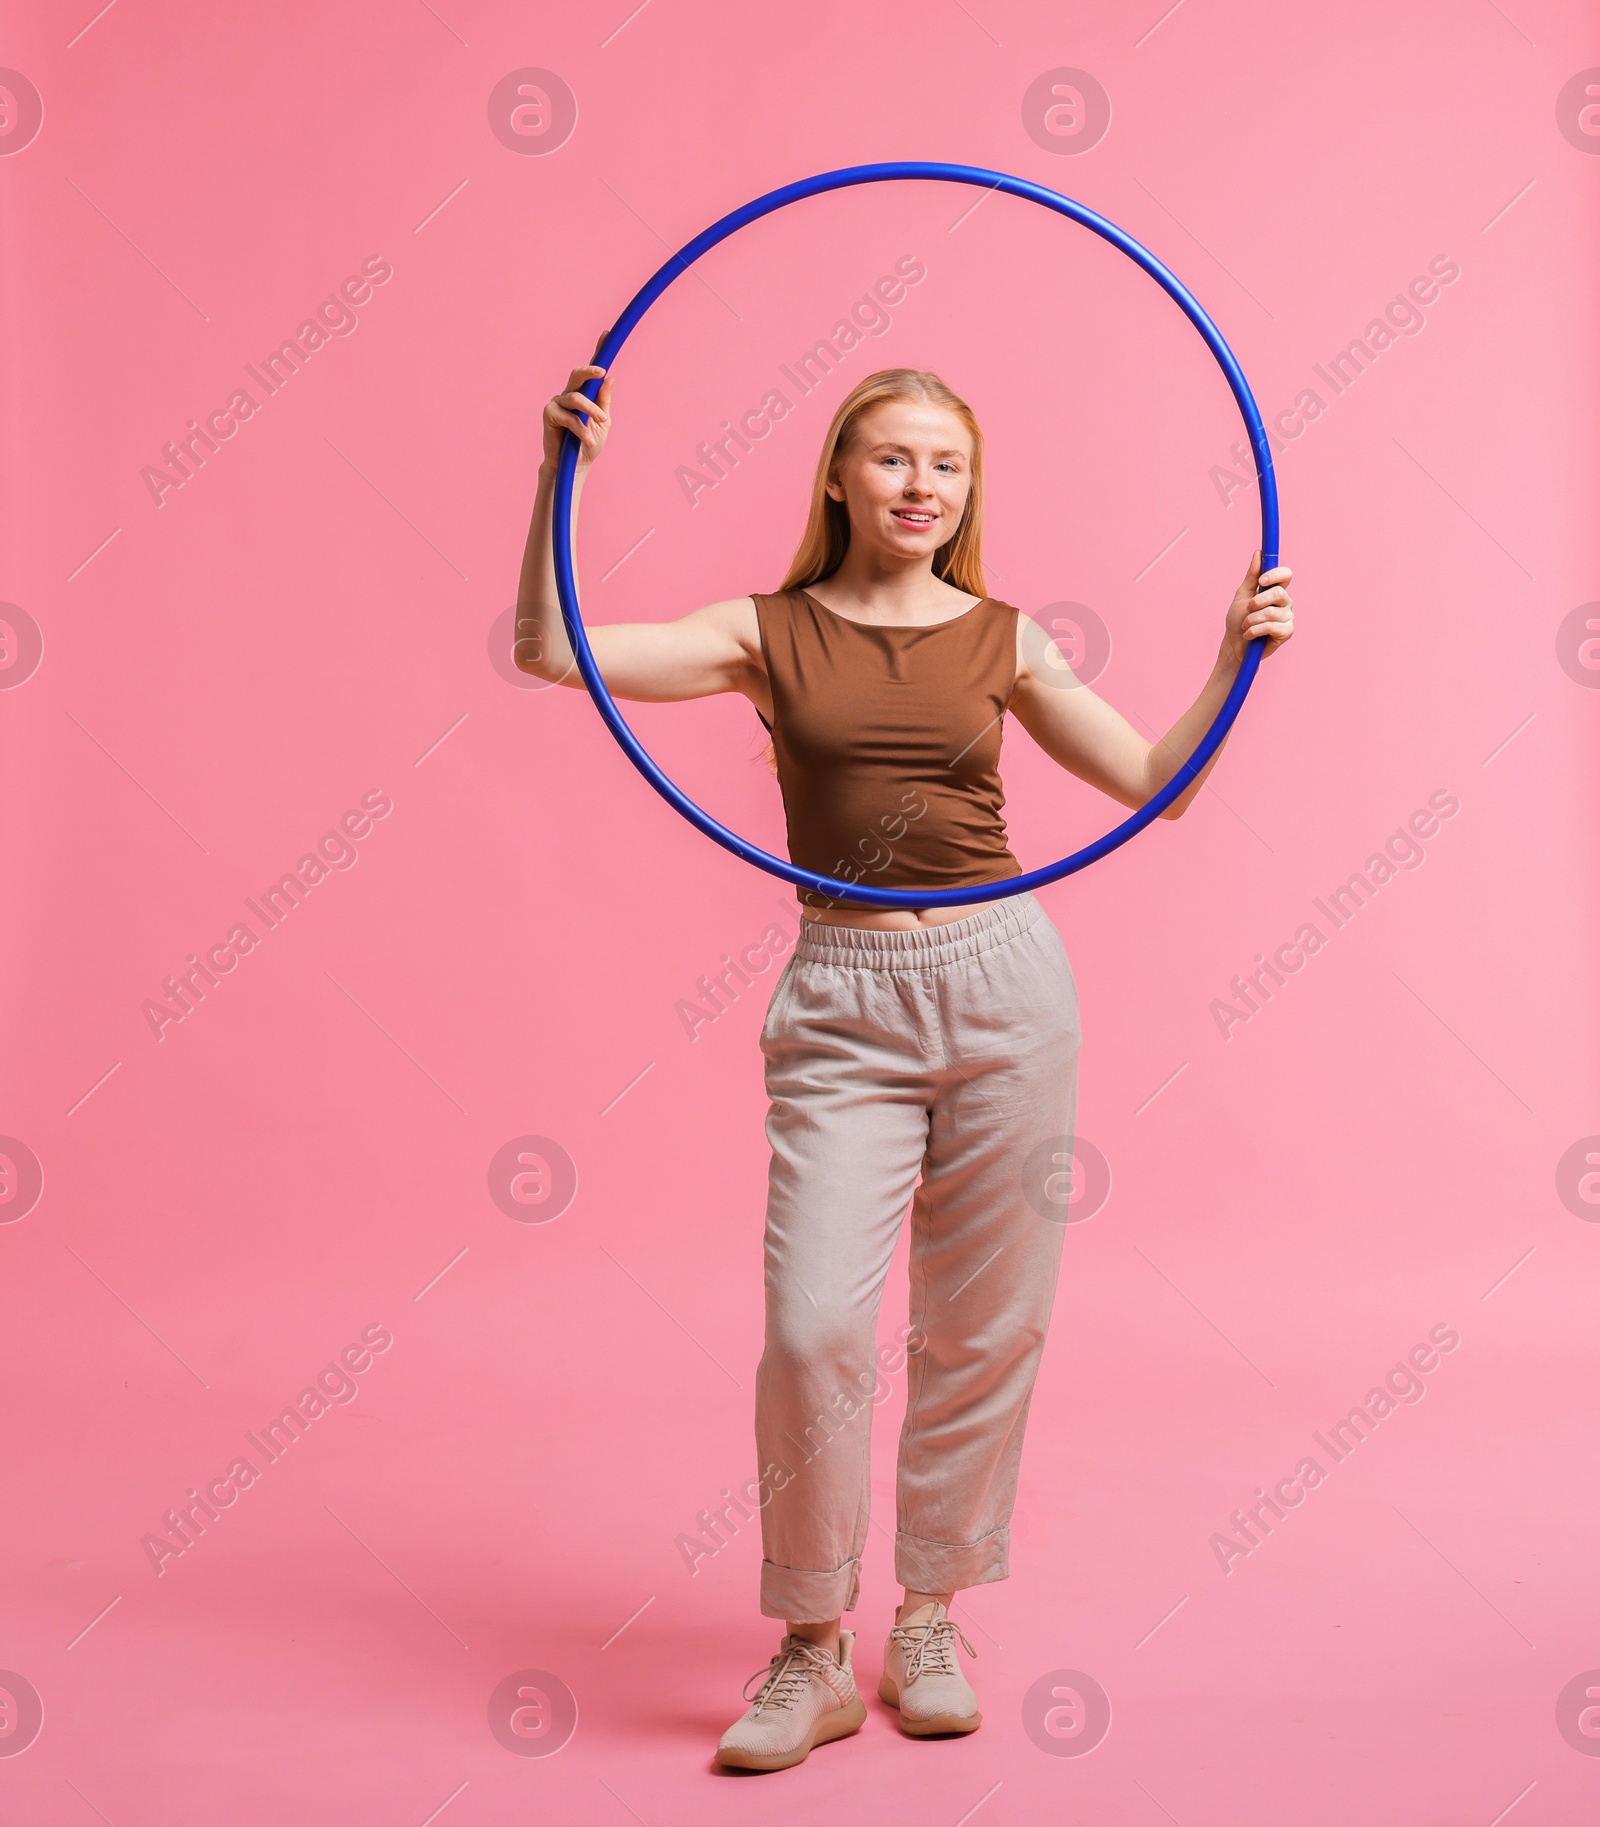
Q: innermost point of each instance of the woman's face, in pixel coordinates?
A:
(904, 478)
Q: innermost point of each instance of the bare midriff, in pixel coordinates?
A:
(897, 919)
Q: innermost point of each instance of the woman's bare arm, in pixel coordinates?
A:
(1096, 742)
(711, 650)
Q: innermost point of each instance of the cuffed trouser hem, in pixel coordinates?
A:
(923, 1566)
(808, 1598)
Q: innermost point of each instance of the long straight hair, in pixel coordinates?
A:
(827, 535)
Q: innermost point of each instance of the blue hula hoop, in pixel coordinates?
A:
(856, 893)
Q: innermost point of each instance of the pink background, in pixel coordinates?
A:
(1382, 1149)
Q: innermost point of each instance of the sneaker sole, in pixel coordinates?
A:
(838, 1724)
(940, 1725)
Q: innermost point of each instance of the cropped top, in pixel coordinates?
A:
(888, 743)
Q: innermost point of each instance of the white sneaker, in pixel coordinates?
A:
(923, 1678)
(806, 1697)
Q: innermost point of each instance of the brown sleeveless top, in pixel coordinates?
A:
(888, 743)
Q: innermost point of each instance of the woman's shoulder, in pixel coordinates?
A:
(994, 612)
(1004, 617)
(777, 608)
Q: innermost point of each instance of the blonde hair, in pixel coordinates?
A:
(827, 533)
(827, 536)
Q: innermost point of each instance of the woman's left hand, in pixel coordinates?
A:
(1260, 607)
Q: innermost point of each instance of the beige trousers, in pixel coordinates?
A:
(949, 1052)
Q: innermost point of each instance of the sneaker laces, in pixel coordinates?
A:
(784, 1678)
(927, 1647)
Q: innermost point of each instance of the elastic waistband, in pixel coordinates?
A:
(919, 948)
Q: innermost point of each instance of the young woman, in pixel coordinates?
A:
(925, 1057)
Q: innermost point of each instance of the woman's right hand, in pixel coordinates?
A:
(561, 415)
